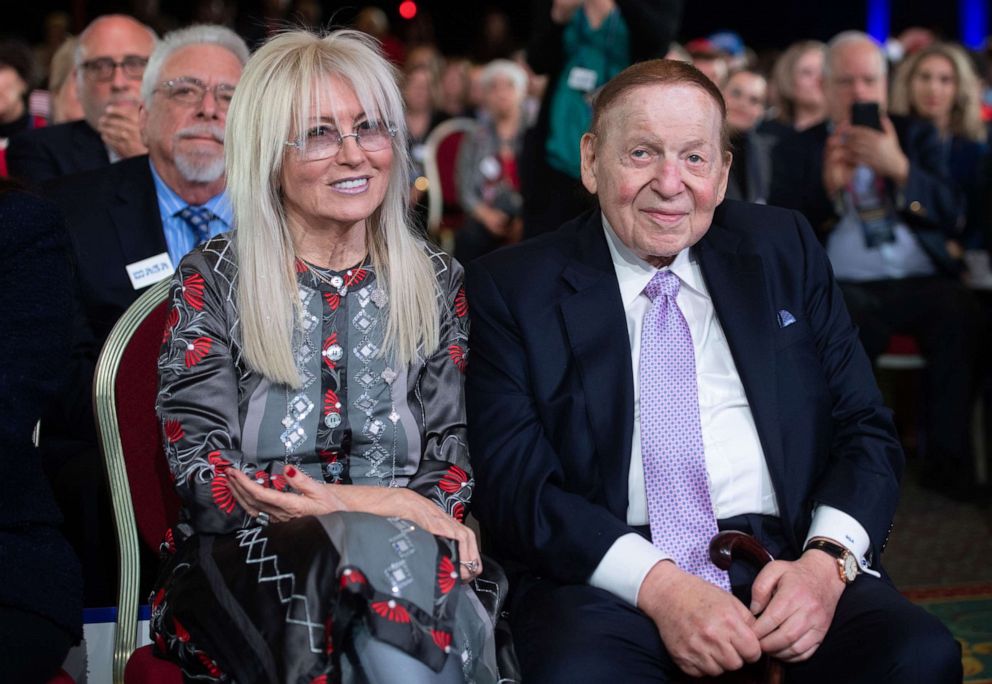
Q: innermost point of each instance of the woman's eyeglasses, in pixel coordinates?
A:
(321, 142)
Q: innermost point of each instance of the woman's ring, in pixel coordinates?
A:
(472, 565)
(262, 518)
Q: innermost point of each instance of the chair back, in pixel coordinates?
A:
(144, 499)
(440, 161)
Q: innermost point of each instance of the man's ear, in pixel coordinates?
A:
(587, 148)
(728, 159)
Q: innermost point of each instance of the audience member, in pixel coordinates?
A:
(579, 45)
(667, 365)
(130, 224)
(16, 81)
(109, 62)
(938, 84)
(62, 84)
(454, 87)
(885, 205)
(709, 59)
(371, 444)
(495, 37)
(487, 175)
(422, 117)
(41, 611)
(797, 95)
(373, 21)
(55, 34)
(750, 172)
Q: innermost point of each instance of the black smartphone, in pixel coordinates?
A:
(866, 114)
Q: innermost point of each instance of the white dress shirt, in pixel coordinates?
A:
(738, 477)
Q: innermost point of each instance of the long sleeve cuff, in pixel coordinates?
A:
(625, 565)
(835, 524)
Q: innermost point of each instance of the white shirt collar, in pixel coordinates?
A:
(634, 273)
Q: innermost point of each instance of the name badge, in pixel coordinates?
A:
(580, 78)
(149, 271)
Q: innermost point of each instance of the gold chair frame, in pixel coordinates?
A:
(108, 429)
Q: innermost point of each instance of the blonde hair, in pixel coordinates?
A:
(278, 90)
(783, 80)
(966, 115)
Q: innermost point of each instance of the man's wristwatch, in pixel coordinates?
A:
(847, 564)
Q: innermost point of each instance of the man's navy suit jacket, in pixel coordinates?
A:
(43, 154)
(550, 388)
(114, 220)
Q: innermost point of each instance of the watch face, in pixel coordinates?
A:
(850, 567)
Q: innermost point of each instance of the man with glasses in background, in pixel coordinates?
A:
(130, 223)
(109, 63)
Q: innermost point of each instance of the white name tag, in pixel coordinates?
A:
(149, 271)
(580, 78)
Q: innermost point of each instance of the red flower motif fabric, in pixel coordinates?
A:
(170, 324)
(391, 610)
(174, 430)
(446, 575)
(332, 404)
(193, 290)
(220, 489)
(458, 512)
(461, 303)
(300, 265)
(197, 349)
(351, 576)
(442, 639)
(457, 355)
(209, 664)
(355, 277)
(181, 632)
(453, 480)
(333, 300)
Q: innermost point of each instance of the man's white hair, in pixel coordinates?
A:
(845, 38)
(199, 34)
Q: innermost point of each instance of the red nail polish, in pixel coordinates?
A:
(290, 471)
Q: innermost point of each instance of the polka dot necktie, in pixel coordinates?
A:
(197, 218)
(679, 507)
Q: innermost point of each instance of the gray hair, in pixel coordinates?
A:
(849, 38)
(508, 70)
(198, 34)
(279, 89)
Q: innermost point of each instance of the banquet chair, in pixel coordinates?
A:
(444, 213)
(144, 499)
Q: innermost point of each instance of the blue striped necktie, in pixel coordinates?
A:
(197, 218)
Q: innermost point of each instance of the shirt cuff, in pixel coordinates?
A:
(837, 525)
(625, 565)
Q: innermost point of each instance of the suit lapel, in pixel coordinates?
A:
(736, 281)
(135, 213)
(596, 326)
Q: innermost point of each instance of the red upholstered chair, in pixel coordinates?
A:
(444, 213)
(144, 499)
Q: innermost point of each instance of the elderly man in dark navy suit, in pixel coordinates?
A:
(660, 369)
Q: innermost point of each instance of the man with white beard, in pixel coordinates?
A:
(130, 223)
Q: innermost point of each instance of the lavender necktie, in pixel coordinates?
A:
(678, 497)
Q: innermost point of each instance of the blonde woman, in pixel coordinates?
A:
(797, 88)
(939, 84)
(311, 400)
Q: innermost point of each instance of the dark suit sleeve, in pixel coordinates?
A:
(929, 186)
(29, 161)
(521, 496)
(866, 461)
(797, 180)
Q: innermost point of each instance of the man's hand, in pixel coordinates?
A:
(838, 163)
(879, 150)
(119, 129)
(706, 630)
(796, 602)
